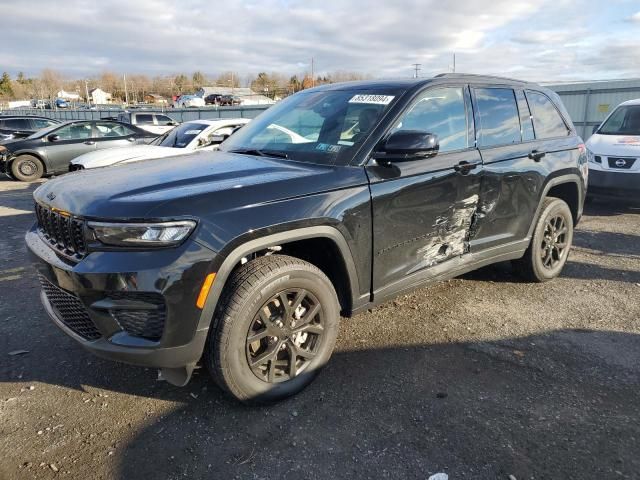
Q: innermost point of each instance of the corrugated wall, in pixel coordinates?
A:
(589, 103)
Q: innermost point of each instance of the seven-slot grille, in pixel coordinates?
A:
(71, 311)
(63, 231)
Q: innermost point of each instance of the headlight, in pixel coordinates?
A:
(163, 234)
(590, 156)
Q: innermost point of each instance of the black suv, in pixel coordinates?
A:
(333, 200)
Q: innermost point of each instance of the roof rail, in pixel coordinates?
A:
(475, 75)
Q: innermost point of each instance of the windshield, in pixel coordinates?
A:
(180, 136)
(623, 121)
(318, 127)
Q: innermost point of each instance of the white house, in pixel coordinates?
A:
(99, 96)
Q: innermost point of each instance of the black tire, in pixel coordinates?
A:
(252, 293)
(27, 168)
(549, 248)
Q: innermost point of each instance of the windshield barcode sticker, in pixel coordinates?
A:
(372, 99)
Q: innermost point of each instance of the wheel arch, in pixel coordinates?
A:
(341, 270)
(568, 187)
(33, 153)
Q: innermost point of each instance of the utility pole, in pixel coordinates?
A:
(313, 79)
(416, 67)
(126, 93)
(86, 89)
(454, 62)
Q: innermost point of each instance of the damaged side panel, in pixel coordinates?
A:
(451, 234)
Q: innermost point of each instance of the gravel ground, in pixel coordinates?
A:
(479, 377)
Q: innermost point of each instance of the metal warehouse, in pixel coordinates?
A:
(589, 103)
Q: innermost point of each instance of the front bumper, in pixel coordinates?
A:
(603, 182)
(96, 301)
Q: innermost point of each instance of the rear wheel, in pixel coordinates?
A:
(274, 329)
(27, 168)
(549, 248)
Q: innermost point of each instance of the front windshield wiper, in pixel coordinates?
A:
(260, 153)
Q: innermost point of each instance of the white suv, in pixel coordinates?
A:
(151, 122)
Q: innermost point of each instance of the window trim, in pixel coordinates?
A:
(468, 117)
(564, 122)
(478, 122)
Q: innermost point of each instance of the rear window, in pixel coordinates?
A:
(498, 113)
(17, 124)
(546, 120)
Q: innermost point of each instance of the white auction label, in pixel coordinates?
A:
(372, 99)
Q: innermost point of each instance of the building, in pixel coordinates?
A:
(99, 96)
(155, 98)
(589, 103)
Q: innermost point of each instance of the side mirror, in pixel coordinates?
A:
(409, 144)
(172, 124)
(53, 137)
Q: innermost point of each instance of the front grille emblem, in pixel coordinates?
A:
(620, 162)
(51, 195)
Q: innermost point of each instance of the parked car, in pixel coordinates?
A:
(213, 99)
(12, 127)
(189, 101)
(229, 100)
(614, 153)
(50, 150)
(246, 257)
(191, 136)
(156, 123)
(61, 103)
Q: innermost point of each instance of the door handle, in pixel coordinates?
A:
(131, 139)
(536, 155)
(464, 167)
(89, 142)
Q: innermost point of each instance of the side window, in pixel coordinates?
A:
(526, 120)
(498, 114)
(144, 119)
(75, 131)
(546, 119)
(17, 124)
(440, 111)
(109, 129)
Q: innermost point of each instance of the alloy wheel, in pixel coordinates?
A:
(554, 241)
(285, 335)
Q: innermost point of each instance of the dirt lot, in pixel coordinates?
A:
(478, 377)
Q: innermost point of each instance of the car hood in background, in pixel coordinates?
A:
(110, 156)
(614, 145)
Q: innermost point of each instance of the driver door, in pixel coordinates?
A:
(423, 208)
(74, 139)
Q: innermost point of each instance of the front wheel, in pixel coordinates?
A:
(549, 248)
(274, 329)
(27, 168)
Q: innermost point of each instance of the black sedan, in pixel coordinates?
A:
(14, 126)
(50, 150)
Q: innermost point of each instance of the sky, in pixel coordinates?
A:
(543, 40)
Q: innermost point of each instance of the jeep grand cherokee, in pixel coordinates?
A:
(333, 200)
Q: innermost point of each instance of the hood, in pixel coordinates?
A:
(614, 145)
(110, 156)
(165, 187)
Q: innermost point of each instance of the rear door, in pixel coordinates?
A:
(74, 139)
(111, 134)
(423, 209)
(509, 193)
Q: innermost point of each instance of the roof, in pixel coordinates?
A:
(217, 121)
(635, 101)
(407, 83)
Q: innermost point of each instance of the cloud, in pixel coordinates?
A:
(376, 37)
